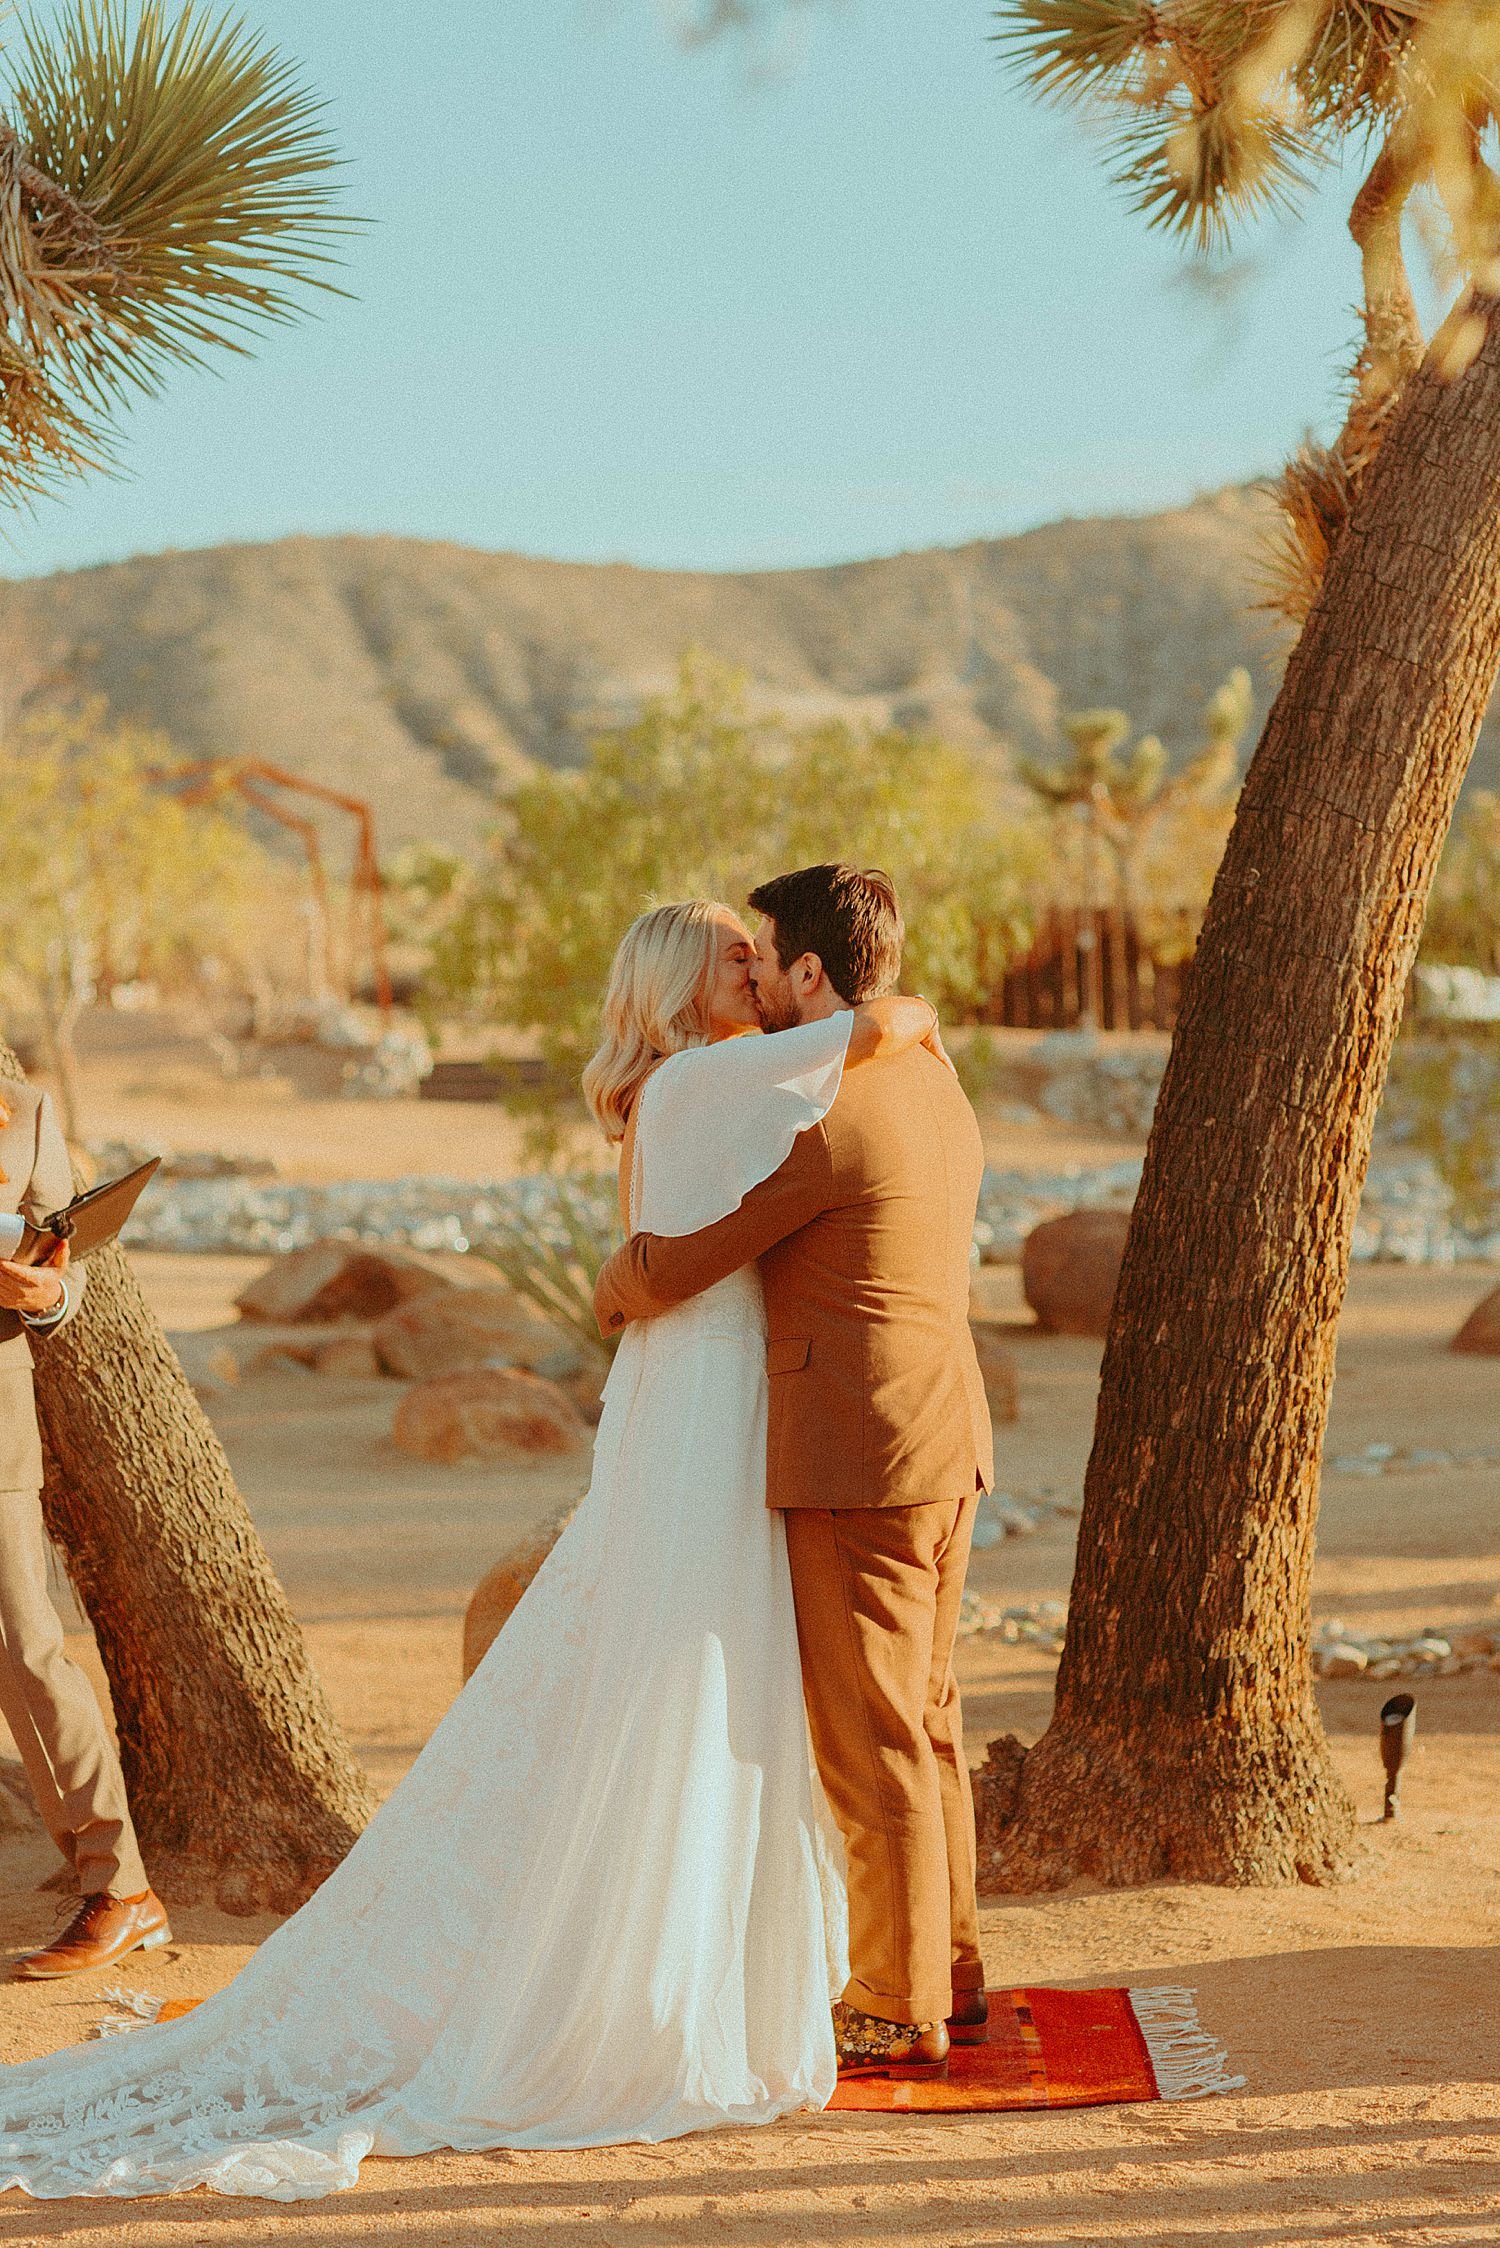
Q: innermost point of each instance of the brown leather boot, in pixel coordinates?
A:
(868, 2046)
(102, 1930)
(969, 2022)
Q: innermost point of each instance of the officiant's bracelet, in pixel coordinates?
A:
(39, 1321)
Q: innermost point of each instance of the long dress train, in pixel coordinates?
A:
(604, 1904)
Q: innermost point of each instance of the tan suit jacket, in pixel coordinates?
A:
(863, 1238)
(38, 1180)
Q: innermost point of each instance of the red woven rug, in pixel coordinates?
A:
(1061, 2049)
(1045, 2049)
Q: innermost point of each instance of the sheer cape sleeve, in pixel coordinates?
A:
(717, 1120)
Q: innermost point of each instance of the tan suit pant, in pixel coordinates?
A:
(55, 1717)
(877, 1592)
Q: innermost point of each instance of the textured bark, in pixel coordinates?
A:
(1186, 1739)
(241, 1784)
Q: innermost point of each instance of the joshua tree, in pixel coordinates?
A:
(166, 191)
(1121, 801)
(1185, 1738)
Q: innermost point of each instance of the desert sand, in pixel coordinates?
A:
(1365, 2017)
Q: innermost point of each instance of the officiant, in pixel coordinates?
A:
(46, 1700)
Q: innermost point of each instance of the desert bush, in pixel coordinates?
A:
(105, 877)
(700, 797)
(550, 1249)
(1463, 920)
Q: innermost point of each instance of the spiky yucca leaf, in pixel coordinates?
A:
(1196, 171)
(1315, 493)
(42, 435)
(1069, 50)
(171, 193)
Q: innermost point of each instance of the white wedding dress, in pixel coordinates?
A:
(605, 1904)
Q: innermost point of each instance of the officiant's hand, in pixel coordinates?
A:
(33, 1289)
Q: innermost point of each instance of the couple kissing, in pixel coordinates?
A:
(615, 1898)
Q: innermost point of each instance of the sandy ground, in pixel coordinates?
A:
(1366, 2017)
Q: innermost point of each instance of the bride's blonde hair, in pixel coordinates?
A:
(655, 1004)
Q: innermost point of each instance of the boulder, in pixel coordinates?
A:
(496, 1594)
(461, 1330)
(1070, 1267)
(496, 1414)
(1480, 1332)
(347, 1357)
(998, 1367)
(338, 1280)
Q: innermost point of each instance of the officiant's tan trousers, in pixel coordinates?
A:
(877, 1591)
(55, 1718)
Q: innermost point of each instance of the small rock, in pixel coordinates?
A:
(495, 1414)
(1070, 1267)
(1480, 1332)
(281, 1358)
(349, 1357)
(223, 1366)
(337, 1280)
(461, 1330)
(498, 1592)
(1343, 1661)
(997, 1367)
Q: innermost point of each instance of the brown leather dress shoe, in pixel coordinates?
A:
(969, 2022)
(102, 1930)
(868, 2046)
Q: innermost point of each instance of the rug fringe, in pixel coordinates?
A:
(1185, 2061)
(136, 2009)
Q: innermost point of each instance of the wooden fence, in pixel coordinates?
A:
(1090, 968)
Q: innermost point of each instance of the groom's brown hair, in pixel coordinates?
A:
(847, 915)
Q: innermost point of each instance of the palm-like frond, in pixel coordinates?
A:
(1195, 169)
(42, 434)
(1071, 50)
(173, 179)
(164, 189)
(1349, 74)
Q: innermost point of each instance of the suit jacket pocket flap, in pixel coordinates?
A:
(784, 1357)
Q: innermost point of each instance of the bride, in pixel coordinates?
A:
(605, 1904)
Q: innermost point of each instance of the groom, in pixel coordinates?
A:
(879, 1444)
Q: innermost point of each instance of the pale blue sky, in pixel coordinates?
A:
(622, 301)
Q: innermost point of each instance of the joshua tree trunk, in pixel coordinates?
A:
(241, 1783)
(1186, 1740)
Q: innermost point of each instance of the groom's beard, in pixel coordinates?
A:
(777, 1010)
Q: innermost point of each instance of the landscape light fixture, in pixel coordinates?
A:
(1398, 1725)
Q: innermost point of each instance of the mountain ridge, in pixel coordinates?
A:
(424, 674)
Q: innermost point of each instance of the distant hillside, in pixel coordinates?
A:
(421, 674)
